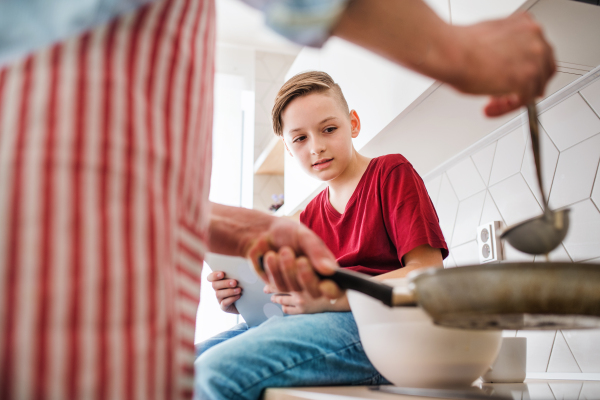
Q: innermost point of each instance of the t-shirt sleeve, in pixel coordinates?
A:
(408, 213)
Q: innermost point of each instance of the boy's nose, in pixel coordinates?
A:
(317, 147)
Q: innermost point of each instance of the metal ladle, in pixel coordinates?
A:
(539, 235)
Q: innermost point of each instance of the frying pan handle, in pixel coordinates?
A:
(347, 279)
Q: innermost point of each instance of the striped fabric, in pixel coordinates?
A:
(105, 154)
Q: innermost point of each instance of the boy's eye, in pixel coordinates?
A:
(330, 129)
(299, 139)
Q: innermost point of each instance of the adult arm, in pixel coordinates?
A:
(508, 59)
(249, 233)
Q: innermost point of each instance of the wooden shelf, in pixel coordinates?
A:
(271, 160)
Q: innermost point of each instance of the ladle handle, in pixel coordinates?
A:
(347, 279)
(535, 146)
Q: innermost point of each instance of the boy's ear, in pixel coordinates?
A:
(285, 144)
(354, 123)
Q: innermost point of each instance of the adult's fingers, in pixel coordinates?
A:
(287, 263)
(330, 289)
(307, 278)
(321, 258)
(271, 265)
(502, 104)
(284, 299)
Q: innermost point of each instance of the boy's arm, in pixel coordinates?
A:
(420, 257)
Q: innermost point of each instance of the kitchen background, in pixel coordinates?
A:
(476, 169)
(496, 182)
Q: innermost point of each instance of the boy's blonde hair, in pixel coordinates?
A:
(302, 85)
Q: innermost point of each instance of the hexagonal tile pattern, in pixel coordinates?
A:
(566, 390)
(513, 255)
(466, 254)
(449, 261)
(584, 232)
(549, 156)
(509, 155)
(467, 219)
(559, 255)
(575, 173)
(590, 390)
(447, 205)
(433, 188)
(585, 346)
(570, 122)
(539, 348)
(514, 200)
(490, 211)
(465, 179)
(596, 190)
(592, 95)
(561, 359)
(483, 160)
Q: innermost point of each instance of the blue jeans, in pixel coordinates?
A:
(300, 350)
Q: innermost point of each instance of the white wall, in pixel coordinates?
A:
(270, 72)
(498, 183)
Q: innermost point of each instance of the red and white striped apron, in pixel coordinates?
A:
(105, 155)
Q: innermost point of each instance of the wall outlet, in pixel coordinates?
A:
(488, 242)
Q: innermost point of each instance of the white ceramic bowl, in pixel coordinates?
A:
(406, 347)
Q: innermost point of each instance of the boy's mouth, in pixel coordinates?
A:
(322, 163)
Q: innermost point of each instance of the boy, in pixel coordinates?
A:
(375, 216)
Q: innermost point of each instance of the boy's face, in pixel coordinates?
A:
(318, 132)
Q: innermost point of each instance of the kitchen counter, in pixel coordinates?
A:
(529, 390)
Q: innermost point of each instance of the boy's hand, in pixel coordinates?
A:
(227, 291)
(294, 303)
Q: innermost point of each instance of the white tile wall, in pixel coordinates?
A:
(490, 211)
(584, 346)
(592, 95)
(570, 158)
(570, 122)
(514, 199)
(466, 254)
(575, 173)
(465, 179)
(549, 158)
(596, 190)
(469, 214)
(589, 391)
(447, 205)
(566, 391)
(539, 346)
(509, 156)
(433, 188)
(583, 240)
(483, 160)
(559, 255)
(562, 359)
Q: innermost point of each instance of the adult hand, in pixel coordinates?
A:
(508, 59)
(291, 254)
(227, 291)
(294, 303)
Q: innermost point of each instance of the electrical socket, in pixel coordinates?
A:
(489, 245)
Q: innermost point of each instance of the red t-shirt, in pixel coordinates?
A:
(388, 215)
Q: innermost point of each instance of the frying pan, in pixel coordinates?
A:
(499, 296)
